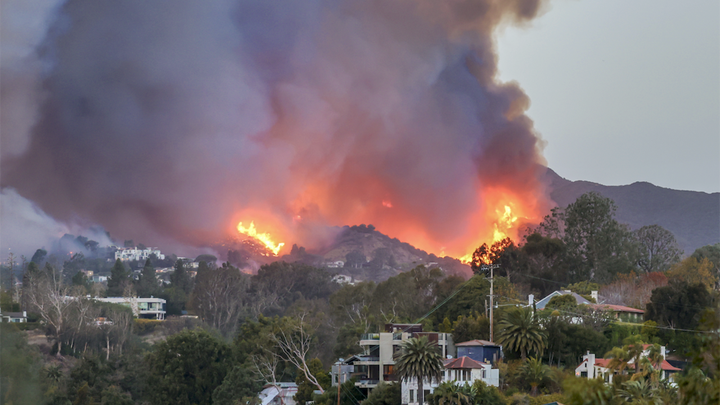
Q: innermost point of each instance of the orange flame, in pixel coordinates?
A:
(262, 237)
(503, 225)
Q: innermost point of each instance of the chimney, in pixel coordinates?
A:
(591, 365)
(594, 296)
(531, 299)
(25, 316)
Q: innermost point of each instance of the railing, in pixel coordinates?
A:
(370, 336)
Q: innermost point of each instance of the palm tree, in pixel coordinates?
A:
(449, 393)
(534, 372)
(519, 330)
(420, 359)
(638, 392)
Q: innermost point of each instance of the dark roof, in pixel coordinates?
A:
(14, 314)
(463, 362)
(477, 342)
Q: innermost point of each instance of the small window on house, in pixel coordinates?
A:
(426, 394)
(412, 396)
(583, 374)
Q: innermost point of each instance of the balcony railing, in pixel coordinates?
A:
(370, 336)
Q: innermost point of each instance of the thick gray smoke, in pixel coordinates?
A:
(170, 121)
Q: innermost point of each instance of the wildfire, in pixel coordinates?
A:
(504, 223)
(502, 227)
(265, 238)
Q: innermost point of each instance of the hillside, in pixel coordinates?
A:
(692, 216)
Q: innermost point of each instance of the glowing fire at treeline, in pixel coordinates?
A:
(502, 223)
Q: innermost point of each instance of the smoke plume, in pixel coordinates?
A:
(171, 121)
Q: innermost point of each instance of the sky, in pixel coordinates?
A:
(623, 91)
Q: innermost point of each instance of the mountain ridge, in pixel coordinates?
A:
(692, 216)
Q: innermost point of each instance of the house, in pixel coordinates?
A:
(377, 361)
(13, 317)
(343, 279)
(335, 264)
(578, 298)
(592, 367)
(98, 279)
(149, 308)
(622, 313)
(281, 393)
(480, 350)
(134, 253)
(461, 371)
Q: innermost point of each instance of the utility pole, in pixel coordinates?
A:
(492, 267)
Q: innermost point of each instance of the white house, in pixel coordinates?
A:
(460, 371)
(599, 368)
(153, 308)
(13, 317)
(137, 254)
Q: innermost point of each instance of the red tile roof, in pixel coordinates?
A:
(664, 365)
(617, 308)
(602, 362)
(477, 342)
(463, 362)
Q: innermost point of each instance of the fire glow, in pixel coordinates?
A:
(265, 238)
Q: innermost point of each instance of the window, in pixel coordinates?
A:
(412, 396)
(426, 394)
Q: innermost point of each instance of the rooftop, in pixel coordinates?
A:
(463, 362)
(477, 342)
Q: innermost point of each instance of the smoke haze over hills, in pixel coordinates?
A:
(173, 120)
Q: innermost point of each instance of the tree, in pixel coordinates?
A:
(305, 387)
(658, 248)
(118, 280)
(520, 331)
(187, 368)
(487, 394)
(20, 368)
(220, 296)
(598, 246)
(355, 259)
(148, 283)
(678, 305)
(39, 256)
(239, 386)
(180, 278)
(294, 343)
(449, 393)
(48, 296)
(421, 360)
(534, 373)
(383, 394)
(693, 271)
(585, 391)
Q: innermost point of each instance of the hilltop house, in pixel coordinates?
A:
(134, 253)
(150, 308)
(599, 368)
(619, 312)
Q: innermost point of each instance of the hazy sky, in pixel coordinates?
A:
(624, 90)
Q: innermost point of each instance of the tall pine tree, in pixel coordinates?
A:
(148, 284)
(119, 279)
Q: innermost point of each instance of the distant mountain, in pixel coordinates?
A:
(692, 216)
